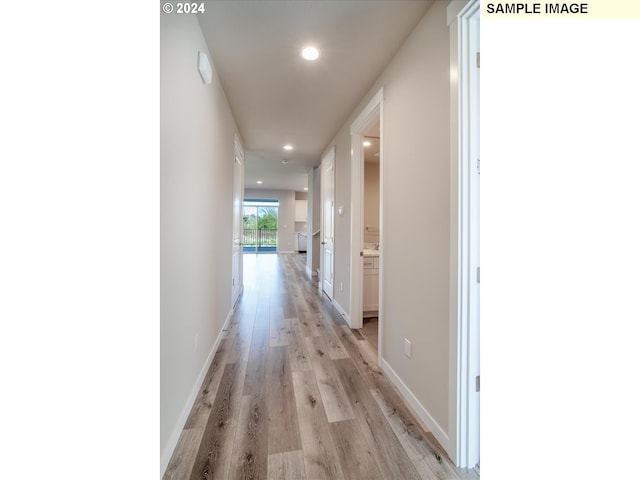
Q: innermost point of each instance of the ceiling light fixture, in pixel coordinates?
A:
(366, 143)
(285, 161)
(288, 147)
(259, 181)
(310, 53)
(306, 188)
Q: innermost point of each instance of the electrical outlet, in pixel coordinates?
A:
(407, 348)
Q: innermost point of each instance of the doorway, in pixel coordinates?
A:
(364, 231)
(260, 226)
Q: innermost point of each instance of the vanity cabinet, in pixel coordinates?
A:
(370, 289)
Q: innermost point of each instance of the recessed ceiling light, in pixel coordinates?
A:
(288, 147)
(306, 188)
(366, 143)
(285, 161)
(310, 53)
(259, 181)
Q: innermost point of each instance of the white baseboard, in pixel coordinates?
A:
(417, 407)
(341, 311)
(286, 252)
(165, 457)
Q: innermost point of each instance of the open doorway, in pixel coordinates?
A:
(371, 233)
(260, 226)
(366, 225)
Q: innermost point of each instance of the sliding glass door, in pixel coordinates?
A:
(260, 226)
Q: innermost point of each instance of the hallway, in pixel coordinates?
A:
(293, 393)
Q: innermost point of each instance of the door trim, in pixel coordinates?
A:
(464, 336)
(362, 121)
(238, 158)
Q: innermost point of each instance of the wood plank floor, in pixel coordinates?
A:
(293, 393)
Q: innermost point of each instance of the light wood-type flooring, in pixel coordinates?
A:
(294, 393)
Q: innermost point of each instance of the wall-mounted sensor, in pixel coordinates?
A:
(340, 210)
(204, 67)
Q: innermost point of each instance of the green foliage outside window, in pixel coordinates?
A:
(268, 218)
(260, 228)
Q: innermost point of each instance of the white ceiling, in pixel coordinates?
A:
(279, 98)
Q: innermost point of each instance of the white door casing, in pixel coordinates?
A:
(473, 428)
(327, 236)
(373, 111)
(238, 193)
(464, 447)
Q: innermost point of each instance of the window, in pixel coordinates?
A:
(260, 226)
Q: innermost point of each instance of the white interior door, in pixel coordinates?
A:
(238, 190)
(328, 172)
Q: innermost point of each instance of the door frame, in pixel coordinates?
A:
(238, 162)
(369, 113)
(464, 409)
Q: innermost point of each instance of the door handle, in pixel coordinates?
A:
(322, 243)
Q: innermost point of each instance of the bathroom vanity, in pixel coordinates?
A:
(370, 282)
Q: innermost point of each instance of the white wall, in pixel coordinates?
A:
(196, 168)
(286, 215)
(415, 169)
